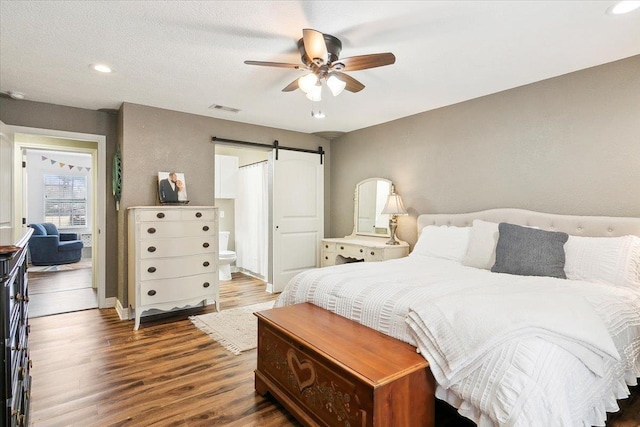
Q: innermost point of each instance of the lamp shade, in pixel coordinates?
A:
(394, 205)
(307, 82)
(335, 85)
(315, 94)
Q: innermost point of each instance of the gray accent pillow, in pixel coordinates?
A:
(529, 252)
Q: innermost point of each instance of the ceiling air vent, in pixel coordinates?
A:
(223, 108)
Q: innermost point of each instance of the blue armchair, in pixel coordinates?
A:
(47, 246)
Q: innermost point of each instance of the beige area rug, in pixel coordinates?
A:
(235, 329)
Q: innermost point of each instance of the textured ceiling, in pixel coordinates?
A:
(188, 55)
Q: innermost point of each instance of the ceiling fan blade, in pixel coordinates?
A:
(363, 62)
(291, 86)
(274, 64)
(314, 45)
(352, 84)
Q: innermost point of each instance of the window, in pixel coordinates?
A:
(65, 200)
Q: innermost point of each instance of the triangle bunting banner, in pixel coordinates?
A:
(53, 162)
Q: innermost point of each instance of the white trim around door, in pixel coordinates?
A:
(99, 158)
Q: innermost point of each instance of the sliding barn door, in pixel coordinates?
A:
(297, 214)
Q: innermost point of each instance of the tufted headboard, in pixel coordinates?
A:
(591, 226)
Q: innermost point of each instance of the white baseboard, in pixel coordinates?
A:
(110, 302)
(123, 313)
(269, 288)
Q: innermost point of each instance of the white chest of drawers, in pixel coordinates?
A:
(348, 249)
(173, 258)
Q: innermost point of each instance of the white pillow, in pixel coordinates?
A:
(481, 251)
(443, 241)
(610, 260)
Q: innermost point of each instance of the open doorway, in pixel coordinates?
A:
(242, 196)
(60, 180)
(59, 202)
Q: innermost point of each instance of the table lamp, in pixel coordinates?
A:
(394, 207)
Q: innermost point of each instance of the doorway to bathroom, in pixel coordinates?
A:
(278, 207)
(242, 196)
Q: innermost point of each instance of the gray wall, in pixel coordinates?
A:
(155, 139)
(568, 145)
(57, 117)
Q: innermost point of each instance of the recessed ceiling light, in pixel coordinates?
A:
(15, 95)
(624, 6)
(101, 68)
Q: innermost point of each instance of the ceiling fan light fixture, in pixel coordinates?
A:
(336, 85)
(320, 56)
(307, 82)
(316, 93)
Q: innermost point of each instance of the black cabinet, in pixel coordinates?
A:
(16, 363)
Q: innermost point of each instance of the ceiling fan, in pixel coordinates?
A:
(320, 54)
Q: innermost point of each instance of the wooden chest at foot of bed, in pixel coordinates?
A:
(330, 371)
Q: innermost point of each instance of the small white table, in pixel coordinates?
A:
(360, 248)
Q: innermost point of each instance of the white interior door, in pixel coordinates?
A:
(6, 184)
(298, 214)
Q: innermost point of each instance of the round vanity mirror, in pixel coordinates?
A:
(370, 198)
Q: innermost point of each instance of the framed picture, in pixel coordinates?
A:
(172, 188)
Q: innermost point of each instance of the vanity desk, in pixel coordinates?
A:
(360, 248)
(371, 234)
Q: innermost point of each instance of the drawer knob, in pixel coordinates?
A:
(160, 215)
(326, 246)
(198, 214)
(151, 293)
(205, 245)
(205, 228)
(326, 257)
(151, 230)
(205, 285)
(206, 263)
(151, 248)
(342, 247)
(151, 269)
(361, 250)
(373, 253)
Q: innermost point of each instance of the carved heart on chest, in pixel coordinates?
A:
(303, 372)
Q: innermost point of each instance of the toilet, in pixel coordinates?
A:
(225, 257)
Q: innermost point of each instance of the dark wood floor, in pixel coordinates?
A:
(92, 369)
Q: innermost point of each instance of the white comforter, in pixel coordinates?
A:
(532, 366)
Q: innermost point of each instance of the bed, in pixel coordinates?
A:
(517, 346)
